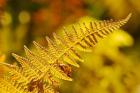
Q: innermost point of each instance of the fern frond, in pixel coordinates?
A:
(14, 81)
(35, 60)
(54, 60)
(10, 87)
(28, 68)
(56, 71)
(85, 37)
(63, 49)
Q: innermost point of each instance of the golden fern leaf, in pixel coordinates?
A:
(62, 49)
(61, 52)
(57, 72)
(36, 61)
(17, 80)
(84, 38)
(30, 71)
(14, 81)
(10, 87)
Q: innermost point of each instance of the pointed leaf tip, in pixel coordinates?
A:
(128, 17)
(34, 42)
(8, 65)
(14, 55)
(27, 51)
(26, 48)
(48, 40)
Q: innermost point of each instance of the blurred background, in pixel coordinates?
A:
(114, 64)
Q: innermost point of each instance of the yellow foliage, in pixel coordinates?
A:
(107, 69)
(56, 59)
